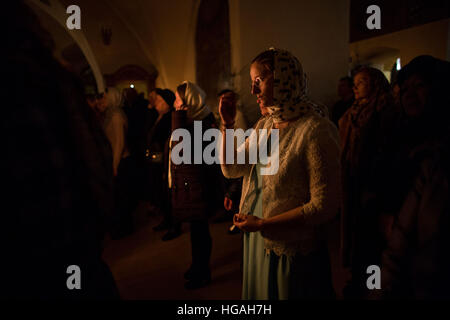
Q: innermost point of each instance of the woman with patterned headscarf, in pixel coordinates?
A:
(364, 130)
(193, 196)
(285, 255)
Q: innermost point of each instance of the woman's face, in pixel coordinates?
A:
(92, 102)
(262, 85)
(102, 103)
(361, 87)
(178, 101)
(414, 93)
(160, 105)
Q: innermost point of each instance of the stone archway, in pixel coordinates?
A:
(56, 11)
(131, 73)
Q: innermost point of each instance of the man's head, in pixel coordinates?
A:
(345, 88)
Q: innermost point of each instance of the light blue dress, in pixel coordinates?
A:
(267, 276)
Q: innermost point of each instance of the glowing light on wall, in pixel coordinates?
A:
(398, 65)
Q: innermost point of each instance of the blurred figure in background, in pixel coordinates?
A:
(416, 262)
(115, 126)
(141, 117)
(93, 100)
(157, 142)
(345, 93)
(57, 184)
(364, 131)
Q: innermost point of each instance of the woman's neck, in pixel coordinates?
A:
(363, 101)
(285, 124)
(281, 125)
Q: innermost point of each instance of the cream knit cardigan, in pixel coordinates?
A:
(308, 177)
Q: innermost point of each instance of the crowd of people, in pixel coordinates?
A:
(77, 167)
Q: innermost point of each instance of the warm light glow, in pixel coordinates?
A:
(131, 86)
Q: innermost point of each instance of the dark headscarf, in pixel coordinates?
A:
(361, 126)
(167, 95)
(436, 74)
(380, 96)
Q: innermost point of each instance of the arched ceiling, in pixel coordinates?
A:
(155, 35)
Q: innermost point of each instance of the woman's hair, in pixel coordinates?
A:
(422, 66)
(377, 80)
(267, 59)
(380, 90)
(181, 89)
(167, 95)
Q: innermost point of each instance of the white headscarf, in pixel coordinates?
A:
(114, 104)
(195, 98)
(113, 97)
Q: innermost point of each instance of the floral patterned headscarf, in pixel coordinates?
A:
(290, 89)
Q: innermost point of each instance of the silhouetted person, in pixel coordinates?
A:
(115, 126)
(416, 262)
(345, 93)
(57, 181)
(157, 142)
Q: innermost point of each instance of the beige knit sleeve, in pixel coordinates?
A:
(236, 170)
(323, 166)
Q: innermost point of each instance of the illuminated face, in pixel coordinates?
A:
(151, 99)
(362, 86)
(161, 105)
(262, 85)
(414, 95)
(178, 101)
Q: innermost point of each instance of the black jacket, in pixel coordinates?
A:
(195, 187)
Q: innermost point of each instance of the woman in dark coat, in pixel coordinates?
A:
(416, 262)
(157, 139)
(364, 129)
(192, 186)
